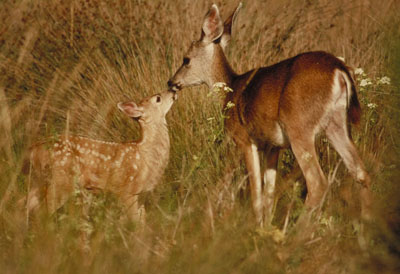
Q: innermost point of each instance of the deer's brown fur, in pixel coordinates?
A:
(286, 104)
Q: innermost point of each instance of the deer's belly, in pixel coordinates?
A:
(269, 134)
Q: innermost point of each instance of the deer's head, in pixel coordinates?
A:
(205, 60)
(152, 109)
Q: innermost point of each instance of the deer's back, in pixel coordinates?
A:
(265, 98)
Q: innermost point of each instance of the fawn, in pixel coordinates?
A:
(126, 169)
(286, 104)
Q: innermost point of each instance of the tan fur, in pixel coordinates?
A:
(125, 169)
(286, 104)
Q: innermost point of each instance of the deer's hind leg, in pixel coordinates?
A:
(303, 147)
(338, 134)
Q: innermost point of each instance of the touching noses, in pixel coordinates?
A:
(173, 86)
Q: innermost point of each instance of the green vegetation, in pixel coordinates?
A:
(64, 65)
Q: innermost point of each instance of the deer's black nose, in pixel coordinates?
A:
(173, 86)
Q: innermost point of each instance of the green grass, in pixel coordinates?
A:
(64, 65)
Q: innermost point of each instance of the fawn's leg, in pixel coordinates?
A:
(59, 190)
(134, 212)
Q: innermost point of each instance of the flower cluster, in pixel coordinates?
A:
(220, 90)
(383, 81)
(370, 91)
(221, 86)
(229, 105)
(367, 85)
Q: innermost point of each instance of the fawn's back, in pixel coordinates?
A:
(96, 164)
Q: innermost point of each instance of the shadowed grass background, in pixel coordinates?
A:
(64, 65)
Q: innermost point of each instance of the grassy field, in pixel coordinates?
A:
(64, 65)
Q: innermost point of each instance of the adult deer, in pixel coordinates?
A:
(126, 169)
(286, 104)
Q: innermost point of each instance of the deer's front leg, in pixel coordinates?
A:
(269, 183)
(252, 161)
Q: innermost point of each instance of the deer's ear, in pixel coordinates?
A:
(212, 26)
(131, 109)
(229, 22)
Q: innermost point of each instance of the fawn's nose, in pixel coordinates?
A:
(175, 96)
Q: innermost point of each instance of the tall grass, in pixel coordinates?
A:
(64, 65)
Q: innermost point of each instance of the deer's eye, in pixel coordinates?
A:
(186, 61)
(158, 99)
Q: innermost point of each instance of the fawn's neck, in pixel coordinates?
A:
(154, 140)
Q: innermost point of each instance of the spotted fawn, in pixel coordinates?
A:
(125, 169)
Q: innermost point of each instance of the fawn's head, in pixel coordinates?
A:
(151, 109)
(205, 57)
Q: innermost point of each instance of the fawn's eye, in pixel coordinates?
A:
(158, 99)
(186, 61)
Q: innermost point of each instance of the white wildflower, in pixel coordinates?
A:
(221, 86)
(384, 81)
(228, 89)
(359, 71)
(372, 106)
(229, 105)
(365, 82)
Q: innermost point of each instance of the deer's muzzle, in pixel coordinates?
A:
(174, 86)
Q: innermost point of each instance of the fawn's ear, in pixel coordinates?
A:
(212, 28)
(131, 109)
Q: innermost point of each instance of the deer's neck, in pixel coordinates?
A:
(154, 142)
(222, 71)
